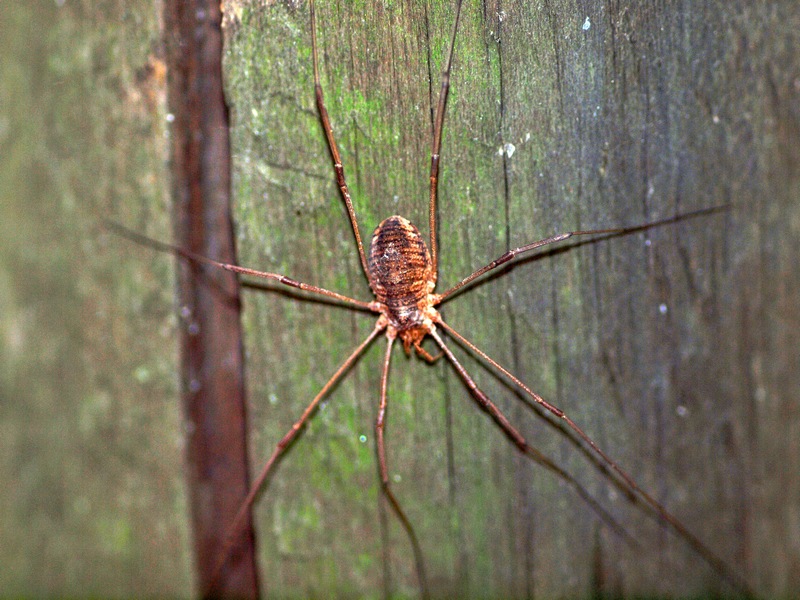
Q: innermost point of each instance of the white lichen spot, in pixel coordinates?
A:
(142, 374)
(508, 149)
(587, 24)
(761, 394)
(681, 411)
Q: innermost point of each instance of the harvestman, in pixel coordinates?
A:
(402, 273)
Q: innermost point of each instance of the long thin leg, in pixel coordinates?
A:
(380, 424)
(704, 551)
(197, 258)
(337, 160)
(436, 145)
(563, 236)
(519, 441)
(244, 509)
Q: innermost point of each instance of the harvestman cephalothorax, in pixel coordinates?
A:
(401, 267)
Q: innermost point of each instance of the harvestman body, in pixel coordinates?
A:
(402, 272)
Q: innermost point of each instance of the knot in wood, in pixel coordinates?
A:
(401, 274)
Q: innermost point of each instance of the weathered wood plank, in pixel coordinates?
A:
(618, 115)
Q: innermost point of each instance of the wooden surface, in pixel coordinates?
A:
(676, 350)
(91, 445)
(662, 346)
(210, 334)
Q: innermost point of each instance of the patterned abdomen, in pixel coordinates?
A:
(401, 270)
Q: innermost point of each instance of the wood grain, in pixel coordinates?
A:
(617, 115)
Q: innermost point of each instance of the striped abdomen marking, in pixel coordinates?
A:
(401, 270)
